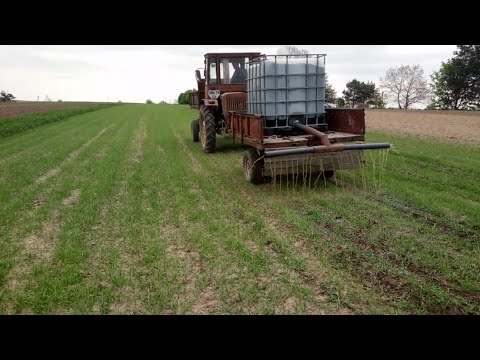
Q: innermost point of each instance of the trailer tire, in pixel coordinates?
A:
(252, 167)
(195, 131)
(208, 129)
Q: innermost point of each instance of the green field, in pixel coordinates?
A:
(118, 211)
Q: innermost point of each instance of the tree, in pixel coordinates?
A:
(359, 93)
(431, 106)
(149, 101)
(6, 97)
(380, 100)
(340, 102)
(330, 93)
(184, 98)
(405, 85)
(456, 85)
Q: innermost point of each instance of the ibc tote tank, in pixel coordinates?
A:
(286, 87)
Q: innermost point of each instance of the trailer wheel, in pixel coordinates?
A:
(195, 131)
(252, 167)
(208, 132)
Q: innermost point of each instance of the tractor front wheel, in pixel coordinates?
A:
(252, 167)
(195, 131)
(208, 129)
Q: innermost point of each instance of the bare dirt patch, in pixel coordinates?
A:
(138, 143)
(72, 199)
(38, 247)
(38, 202)
(128, 302)
(206, 301)
(455, 126)
(312, 277)
(48, 175)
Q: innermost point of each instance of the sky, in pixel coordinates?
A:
(135, 73)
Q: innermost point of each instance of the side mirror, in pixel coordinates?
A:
(198, 77)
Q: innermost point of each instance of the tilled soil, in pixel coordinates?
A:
(16, 109)
(456, 126)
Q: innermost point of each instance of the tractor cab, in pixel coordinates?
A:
(223, 73)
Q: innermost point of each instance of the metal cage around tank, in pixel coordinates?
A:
(287, 88)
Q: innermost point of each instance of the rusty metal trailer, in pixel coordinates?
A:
(282, 142)
(340, 147)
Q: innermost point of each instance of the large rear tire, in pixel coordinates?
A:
(195, 131)
(252, 167)
(208, 129)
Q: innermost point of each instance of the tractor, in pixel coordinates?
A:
(222, 89)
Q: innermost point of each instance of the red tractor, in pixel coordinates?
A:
(223, 89)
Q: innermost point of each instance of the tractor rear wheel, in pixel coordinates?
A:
(252, 167)
(195, 131)
(208, 129)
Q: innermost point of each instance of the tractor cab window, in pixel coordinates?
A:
(233, 71)
(212, 71)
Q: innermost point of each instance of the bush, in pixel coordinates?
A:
(149, 101)
(6, 97)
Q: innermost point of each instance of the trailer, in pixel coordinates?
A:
(279, 111)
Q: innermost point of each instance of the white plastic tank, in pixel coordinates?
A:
(279, 86)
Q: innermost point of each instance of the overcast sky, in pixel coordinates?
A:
(134, 73)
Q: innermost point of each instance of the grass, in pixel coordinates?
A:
(19, 124)
(134, 218)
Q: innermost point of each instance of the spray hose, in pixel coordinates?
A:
(325, 147)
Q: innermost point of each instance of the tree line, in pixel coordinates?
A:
(455, 86)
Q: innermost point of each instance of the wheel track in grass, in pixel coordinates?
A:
(206, 298)
(113, 257)
(38, 247)
(417, 273)
(33, 194)
(168, 229)
(72, 156)
(37, 138)
(305, 277)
